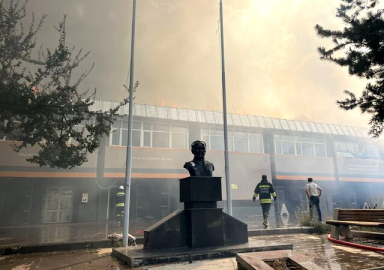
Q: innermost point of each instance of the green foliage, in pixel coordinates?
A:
(40, 103)
(360, 47)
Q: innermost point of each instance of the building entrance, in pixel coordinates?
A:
(58, 205)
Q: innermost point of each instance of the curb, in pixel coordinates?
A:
(49, 247)
(108, 243)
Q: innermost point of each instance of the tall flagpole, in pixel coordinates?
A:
(128, 166)
(227, 180)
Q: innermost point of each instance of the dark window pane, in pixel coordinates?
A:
(160, 139)
(216, 132)
(286, 138)
(146, 126)
(147, 139)
(136, 137)
(240, 134)
(217, 142)
(206, 140)
(116, 124)
(256, 145)
(318, 140)
(205, 131)
(320, 150)
(308, 149)
(241, 144)
(181, 129)
(255, 135)
(307, 139)
(116, 137)
(278, 147)
(288, 148)
(298, 149)
(136, 125)
(124, 137)
(161, 127)
(179, 140)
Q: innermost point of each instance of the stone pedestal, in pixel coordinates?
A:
(201, 224)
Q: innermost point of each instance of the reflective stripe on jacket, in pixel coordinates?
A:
(264, 189)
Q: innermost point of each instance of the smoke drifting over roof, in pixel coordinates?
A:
(272, 66)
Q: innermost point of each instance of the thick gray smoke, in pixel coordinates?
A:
(271, 59)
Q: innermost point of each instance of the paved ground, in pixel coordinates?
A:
(327, 255)
(56, 233)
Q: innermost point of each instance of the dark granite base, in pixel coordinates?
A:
(136, 256)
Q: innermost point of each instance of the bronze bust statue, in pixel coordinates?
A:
(199, 166)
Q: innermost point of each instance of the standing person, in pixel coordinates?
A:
(314, 192)
(264, 189)
(120, 199)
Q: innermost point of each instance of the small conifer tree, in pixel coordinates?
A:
(360, 47)
(40, 104)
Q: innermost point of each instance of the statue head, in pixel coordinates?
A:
(198, 149)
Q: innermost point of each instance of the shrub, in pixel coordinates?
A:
(304, 219)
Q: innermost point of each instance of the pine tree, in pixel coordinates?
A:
(40, 104)
(360, 47)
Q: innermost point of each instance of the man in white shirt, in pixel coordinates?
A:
(313, 193)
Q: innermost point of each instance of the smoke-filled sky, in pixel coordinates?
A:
(272, 65)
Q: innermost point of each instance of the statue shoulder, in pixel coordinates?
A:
(189, 164)
(210, 165)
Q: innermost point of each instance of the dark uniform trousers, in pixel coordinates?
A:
(314, 201)
(265, 207)
(120, 198)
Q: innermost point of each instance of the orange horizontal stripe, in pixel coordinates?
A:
(147, 175)
(301, 177)
(48, 174)
(362, 179)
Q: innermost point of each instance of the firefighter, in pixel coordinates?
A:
(265, 190)
(120, 199)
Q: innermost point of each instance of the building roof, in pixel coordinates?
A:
(241, 120)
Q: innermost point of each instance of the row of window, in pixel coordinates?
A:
(162, 135)
(238, 141)
(300, 146)
(145, 134)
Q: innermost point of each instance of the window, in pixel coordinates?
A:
(179, 136)
(300, 146)
(360, 149)
(145, 134)
(160, 135)
(238, 141)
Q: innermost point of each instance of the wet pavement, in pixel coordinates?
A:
(328, 255)
(56, 233)
(77, 232)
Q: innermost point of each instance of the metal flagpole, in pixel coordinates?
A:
(128, 166)
(227, 180)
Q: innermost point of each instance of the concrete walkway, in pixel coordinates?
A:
(327, 255)
(220, 264)
(74, 236)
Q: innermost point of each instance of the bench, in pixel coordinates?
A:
(270, 260)
(344, 218)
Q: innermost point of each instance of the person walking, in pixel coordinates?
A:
(314, 192)
(265, 190)
(120, 199)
